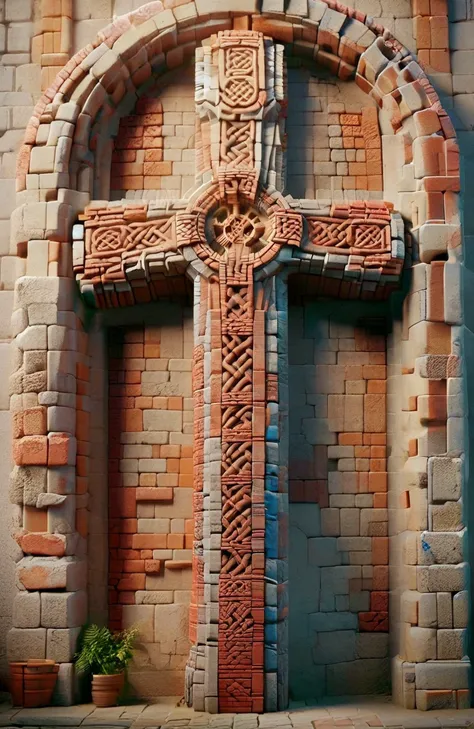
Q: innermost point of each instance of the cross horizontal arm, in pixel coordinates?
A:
(124, 248)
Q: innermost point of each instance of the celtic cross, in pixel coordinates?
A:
(238, 237)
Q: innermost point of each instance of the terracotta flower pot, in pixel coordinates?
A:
(32, 682)
(106, 689)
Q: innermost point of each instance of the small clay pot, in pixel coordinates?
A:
(106, 689)
(32, 682)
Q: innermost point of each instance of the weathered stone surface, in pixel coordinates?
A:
(63, 609)
(23, 642)
(61, 644)
(51, 545)
(26, 610)
(49, 573)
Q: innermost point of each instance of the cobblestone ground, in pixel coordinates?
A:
(345, 713)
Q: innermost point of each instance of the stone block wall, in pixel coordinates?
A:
(338, 502)
(334, 142)
(150, 496)
(154, 154)
(424, 362)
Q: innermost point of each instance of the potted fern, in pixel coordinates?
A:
(105, 655)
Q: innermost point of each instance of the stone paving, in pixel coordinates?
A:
(343, 712)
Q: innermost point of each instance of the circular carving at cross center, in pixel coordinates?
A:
(237, 225)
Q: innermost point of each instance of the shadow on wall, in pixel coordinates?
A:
(338, 534)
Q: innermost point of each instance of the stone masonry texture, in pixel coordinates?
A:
(236, 345)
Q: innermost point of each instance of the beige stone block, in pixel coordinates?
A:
(371, 516)
(441, 548)
(444, 609)
(171, 624)
(26, 610)
(409, 604)
(12, 268)
(442, 675)
(441, 578)
(154, 526)
(156, 597)
(51, 290)
(353, 413)
(162, 420)
(42, 159)
(24, 643)
(350, 522)
(427, 611)
(446, 517)
(451, 644)
(142, 617)
(444, 479)
(26, 483)
(330, 522)
(460, 609)
(420, 644)
(61, 644)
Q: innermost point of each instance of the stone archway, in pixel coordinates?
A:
(58, 175)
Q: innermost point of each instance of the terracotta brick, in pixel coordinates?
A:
(186, 466)
(154, 494)
(379, 550)
(59, 445)
(380, 501)
(132, 421)
(149, 541)
(82, 522)
(132, 582)
(133, 565)
(35, 520)
(175, 541)
(171, 451)
(147, 480)
(376, 387)
(377, 482)
(412, 447)
(152, 351)
(31, 450)
(185, 480)
(152, 566)
(34, 421)
(51, 545)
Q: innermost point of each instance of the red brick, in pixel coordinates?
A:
(34, 421)
(31, 450)
(149, 541)
(132, 582)
(51, 545)
(154, 494)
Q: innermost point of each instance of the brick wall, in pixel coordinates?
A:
(154, 153)
(334, 144)
(338, 503)
(150, 491)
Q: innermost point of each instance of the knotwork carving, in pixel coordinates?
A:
(237, 140)
(241, 71)
(236, 460)
(238, 225)
(236, 513)
(237, 367)
(112, 242)
(361, 229)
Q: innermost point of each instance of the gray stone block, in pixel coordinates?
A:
(442, 675)
(63, 609)
(26, 610)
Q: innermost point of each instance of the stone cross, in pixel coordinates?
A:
(238, 238)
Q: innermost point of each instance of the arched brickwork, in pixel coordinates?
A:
(66, 146)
